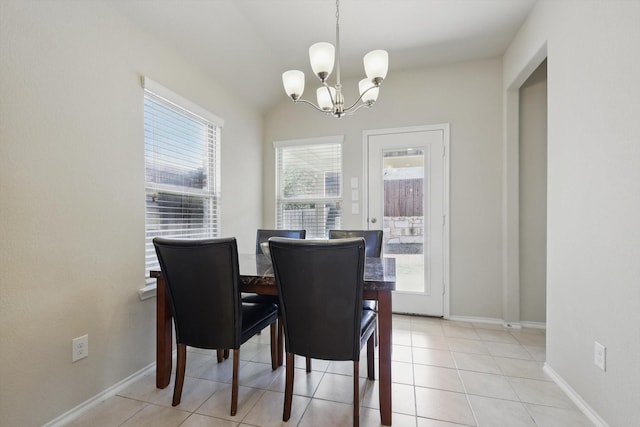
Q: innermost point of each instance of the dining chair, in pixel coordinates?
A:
(331, 271)
(202, 280)
(373, 240)
(373, 248)
(262, 236)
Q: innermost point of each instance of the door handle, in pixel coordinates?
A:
(373, 220)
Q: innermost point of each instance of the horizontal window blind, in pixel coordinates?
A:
(181, 174)
(309, 186)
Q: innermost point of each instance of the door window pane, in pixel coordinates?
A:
(403, 180)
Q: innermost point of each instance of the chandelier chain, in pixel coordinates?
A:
(338, 82)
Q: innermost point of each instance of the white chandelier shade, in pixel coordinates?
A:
(376, 64)
(368, 91)
(325, 95)
(293, 81)
(323, 56)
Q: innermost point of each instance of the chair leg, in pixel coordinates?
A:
(375, 333)
(371, 343)
(308, 365)
(274, 345)
(220, 354)
(280, 340)
(226, 353)
(288, 388)
(234, 382)
(180, 368)
(356, 394)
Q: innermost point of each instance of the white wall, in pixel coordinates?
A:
(466, 95)
(533, 197)
(72, 198)
(593, 212)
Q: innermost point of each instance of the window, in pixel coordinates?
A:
(308, 185)
(181, 157)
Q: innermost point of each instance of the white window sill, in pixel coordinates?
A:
(149, 291)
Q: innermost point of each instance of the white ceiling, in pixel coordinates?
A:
(247, 44)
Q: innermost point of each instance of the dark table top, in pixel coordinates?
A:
(379, 273)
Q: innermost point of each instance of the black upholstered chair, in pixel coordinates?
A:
(202, 280)
(262, 236)
(372, 240)
(331, 271)
(373, 248)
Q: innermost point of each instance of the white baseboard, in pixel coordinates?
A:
(473, 319)
(533, 325)
(495, 321)
(575, 398)
(487, 320)
(97, 399)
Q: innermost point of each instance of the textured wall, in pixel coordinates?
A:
(72, 198)
(593, 204)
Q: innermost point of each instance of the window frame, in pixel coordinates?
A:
(210, 196)
(280, 199)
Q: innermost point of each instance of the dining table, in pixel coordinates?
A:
(256, 276)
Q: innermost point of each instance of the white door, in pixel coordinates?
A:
(407, 197)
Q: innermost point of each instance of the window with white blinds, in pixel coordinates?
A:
(309, 185)
(181, 157)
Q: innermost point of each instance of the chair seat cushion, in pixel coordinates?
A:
(256, 317)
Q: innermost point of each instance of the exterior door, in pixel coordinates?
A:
(407, 197)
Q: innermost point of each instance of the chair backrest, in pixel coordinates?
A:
(320, 291)
(202, 278)
(372, 239)
(263, 235)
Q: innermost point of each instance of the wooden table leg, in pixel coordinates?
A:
(163, 335)
(384, 355)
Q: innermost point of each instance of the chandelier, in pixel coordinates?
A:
(329, 98)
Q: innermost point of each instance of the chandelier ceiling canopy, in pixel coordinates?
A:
(330, 100)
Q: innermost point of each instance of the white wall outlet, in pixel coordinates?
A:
(79, 348)
(600, 356)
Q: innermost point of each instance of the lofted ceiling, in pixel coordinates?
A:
(246, 44)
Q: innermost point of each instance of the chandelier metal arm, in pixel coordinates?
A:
(304, 101)
(358, 100)
(350, 112)
(336, 111)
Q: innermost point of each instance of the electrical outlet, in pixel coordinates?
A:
(79, 348)
(600, 356)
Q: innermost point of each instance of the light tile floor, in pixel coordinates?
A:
(445, 374)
